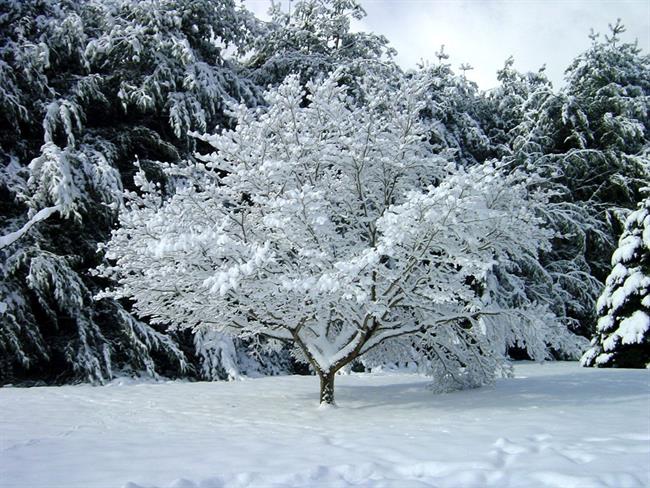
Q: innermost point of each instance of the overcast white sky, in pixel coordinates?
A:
(484, 33)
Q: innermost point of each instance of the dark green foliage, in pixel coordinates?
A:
(590, 142)
(313, 39)
(452, 111)
(623, 334)
(88, 87)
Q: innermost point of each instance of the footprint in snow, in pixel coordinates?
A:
(576, 457)
(506, 452)
(510, 447)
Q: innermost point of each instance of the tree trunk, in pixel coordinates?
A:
(326, 388)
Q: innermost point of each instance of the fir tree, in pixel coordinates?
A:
(312, 39)
(623, 331)
(508, 105)
(589, 142)
(453, 112)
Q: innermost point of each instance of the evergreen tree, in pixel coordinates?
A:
(453, 112)
(312, 39)
(623, 331)
(86, 87)
(508, 105)
(590, 143)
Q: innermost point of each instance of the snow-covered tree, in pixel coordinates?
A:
(471, 127)
(589, 141)
(313, 38)
(560, 281)
(623, 331)
(85, 87)
(452, 112)
(508, 105)
(318, 223)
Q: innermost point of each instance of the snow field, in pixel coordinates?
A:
(553, 425)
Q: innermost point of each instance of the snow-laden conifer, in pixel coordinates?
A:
(589, 142)
(85, 88)
(623, 331)
(512, 104)
(452, 112)
(311, 38)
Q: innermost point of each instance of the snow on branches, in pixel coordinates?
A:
(85, 88)
(328, 225)
(623, 331)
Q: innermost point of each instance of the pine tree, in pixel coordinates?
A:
(452, 112)
(509, 104)
(623, 332)
(312, 39)
(589, 142)
(86, 87)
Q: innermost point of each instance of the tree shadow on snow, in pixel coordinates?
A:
(611, 386)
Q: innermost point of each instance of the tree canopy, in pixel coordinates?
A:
(328, 225)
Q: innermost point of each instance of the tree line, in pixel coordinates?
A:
(188, 191)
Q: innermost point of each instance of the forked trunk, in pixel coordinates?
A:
(326, 375)
(326, 388)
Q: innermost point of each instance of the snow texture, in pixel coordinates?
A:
(542, 428)
(633, 329)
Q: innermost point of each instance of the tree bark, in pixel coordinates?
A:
(326, 388)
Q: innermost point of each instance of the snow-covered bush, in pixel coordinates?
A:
(319, 223)
(623, 332)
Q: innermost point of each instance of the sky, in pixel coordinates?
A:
(484, 33)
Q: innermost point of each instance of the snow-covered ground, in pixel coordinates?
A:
(554, 425)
